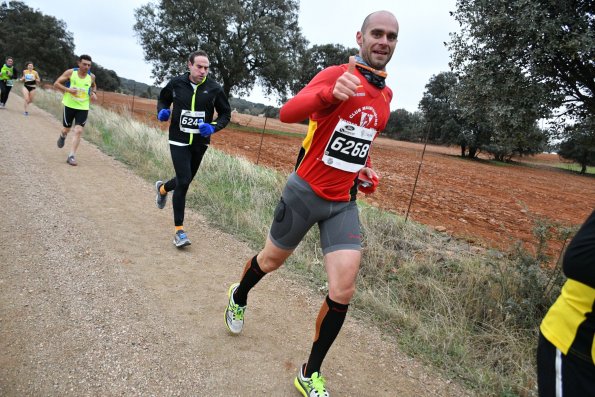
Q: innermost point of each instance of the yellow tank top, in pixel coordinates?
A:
(30, 77)
(80, 100)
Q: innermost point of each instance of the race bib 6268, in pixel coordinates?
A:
(348, 147)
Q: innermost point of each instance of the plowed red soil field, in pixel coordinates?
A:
(488, 204)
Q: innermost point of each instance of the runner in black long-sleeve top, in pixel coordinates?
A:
(195, 97)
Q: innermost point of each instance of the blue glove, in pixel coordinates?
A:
(164, 114)
(205, 129)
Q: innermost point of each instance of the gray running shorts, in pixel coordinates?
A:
(300, 208)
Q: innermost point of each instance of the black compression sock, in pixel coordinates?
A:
(328, 324)
(251, 276)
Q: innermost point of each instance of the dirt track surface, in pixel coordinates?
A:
(96, 301)
(486, 204)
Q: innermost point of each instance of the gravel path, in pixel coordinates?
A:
(96, 301)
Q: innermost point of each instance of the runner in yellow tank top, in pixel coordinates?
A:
(30, 78)
(78, 86)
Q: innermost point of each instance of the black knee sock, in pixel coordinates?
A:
(252, 275)
(328, 324)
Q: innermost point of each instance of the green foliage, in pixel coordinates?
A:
(439, 109)
(29, 35)
(317, 58)
(499, 110)
(106, 79)
(246, 107)
(271, 112)
(131, 87)
(247, 40)
(492, 112)
(517, 143)
(579, 145)
(529, 283)
(524, 60)
(405, 126)
(552, 42)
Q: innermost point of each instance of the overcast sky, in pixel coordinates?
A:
(103, 29)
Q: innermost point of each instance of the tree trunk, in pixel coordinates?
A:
(583, 169)
(472, 152)
(463, 147)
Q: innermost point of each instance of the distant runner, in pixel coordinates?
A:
(195, 97)
(6, 81)
(31, 79)
(78, 85)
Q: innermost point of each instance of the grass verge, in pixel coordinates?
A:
(575, 168)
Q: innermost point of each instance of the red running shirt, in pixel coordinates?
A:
(340, 133)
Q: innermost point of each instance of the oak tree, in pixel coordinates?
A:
(248, 41)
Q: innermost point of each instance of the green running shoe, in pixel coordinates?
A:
(234, 314)
(310, 387)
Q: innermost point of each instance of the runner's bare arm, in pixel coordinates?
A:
(59, 83)
(93, 88)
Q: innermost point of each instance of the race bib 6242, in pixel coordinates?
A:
(189, 121)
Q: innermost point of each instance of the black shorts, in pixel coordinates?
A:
(30, 87)
(69, 114)
(563, 375)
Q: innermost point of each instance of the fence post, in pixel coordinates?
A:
(261, 139)
(417, 175)
(133, 95)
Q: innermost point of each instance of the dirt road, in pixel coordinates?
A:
(96, 301)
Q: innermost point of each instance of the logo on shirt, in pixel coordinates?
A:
(365, 117)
